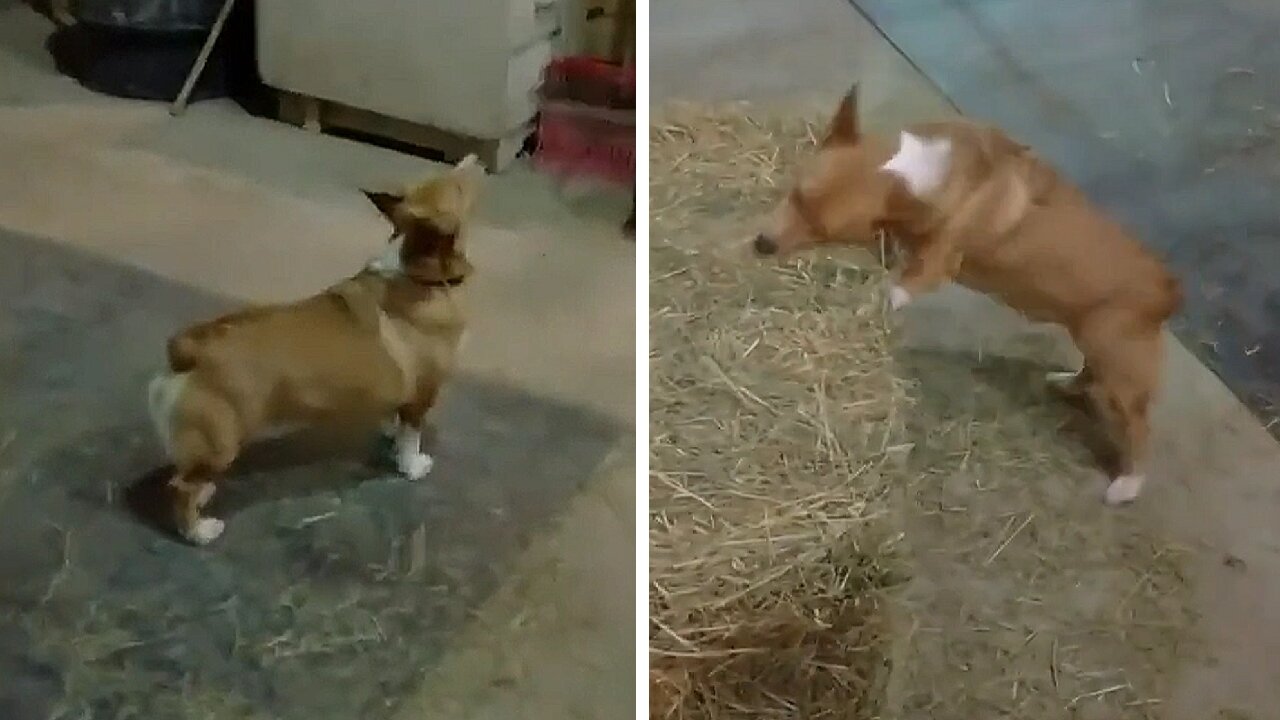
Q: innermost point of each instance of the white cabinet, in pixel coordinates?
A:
(468, 67)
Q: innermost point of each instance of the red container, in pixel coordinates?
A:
(587, 121)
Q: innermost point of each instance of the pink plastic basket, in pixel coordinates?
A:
(587, 123)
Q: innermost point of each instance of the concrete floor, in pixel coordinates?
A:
(1165, 111)
(1213, 487)
(243, 207)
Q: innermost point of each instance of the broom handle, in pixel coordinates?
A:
(180, 104)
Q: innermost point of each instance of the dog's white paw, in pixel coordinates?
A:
(415, 466)
(1064, 381)
(206, 531)
(1124, 489)
(1061, 377)
(898, 297)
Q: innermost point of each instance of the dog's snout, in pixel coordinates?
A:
(765, 245)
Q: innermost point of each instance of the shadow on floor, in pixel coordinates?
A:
(957, 387)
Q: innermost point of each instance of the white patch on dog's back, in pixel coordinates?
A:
(921, 163)
(163, 395)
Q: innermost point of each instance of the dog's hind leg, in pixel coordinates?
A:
(206, 437)
(1125, 358)
(192, 488)
(1125, 414)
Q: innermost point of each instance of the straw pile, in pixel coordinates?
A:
(843, 529)
(775, 420)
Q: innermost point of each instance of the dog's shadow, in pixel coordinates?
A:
(1009, 389)
(343, 457)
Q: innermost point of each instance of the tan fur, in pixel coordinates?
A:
(376, 343)
(1005, 223)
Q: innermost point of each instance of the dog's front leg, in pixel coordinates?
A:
(927, 267)
(191, 492)
(412, 462)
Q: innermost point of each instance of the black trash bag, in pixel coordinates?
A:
(154, 15)
(137, 65)
(150, 65)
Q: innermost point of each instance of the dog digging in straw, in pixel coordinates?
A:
(380, 343)
(966, 203)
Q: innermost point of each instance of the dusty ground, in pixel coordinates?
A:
(242, 207)
(1213, 490)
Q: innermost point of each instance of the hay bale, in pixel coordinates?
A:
(720, 163)
(774, 416)
(775, 420)
(842, 529)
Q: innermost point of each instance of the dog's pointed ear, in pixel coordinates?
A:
(385, 202)
(844, 125)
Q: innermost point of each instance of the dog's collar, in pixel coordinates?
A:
(447, 282)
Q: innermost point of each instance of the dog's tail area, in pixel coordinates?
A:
(163, 395)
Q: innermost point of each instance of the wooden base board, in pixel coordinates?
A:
(319, 115)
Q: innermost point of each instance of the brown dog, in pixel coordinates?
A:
(968, 204)
(383, 341)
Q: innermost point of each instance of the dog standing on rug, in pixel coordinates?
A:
(382, 342)
(966, 203)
